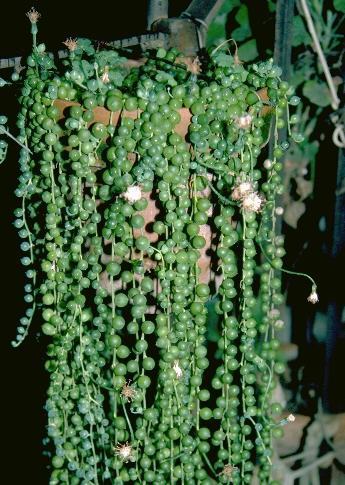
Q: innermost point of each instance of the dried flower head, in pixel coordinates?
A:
(33, 15)
(128, 392)
(192, 64)
(18, 68)
(132, 194)
(274, 313)
(279, 324)
(71, 44)
(313, 297)
(125, 452)
(253, 202)
(241, 190)
(244, 121)
(105, 76)
(195, 66)
(228, 470)
(177, 369)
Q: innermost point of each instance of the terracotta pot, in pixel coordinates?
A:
(150, 214)
(107, 117)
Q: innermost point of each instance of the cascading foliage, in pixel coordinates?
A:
(132, 228)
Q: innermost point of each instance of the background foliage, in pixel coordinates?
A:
(236, 19)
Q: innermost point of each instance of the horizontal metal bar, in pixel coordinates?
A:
(145, 40)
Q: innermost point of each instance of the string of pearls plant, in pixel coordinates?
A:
(136, 394)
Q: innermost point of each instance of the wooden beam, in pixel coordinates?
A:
(152, 40)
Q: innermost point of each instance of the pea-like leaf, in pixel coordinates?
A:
(116, 77)
(165, 78)
(223, 60)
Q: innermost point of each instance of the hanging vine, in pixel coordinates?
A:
(144, 195)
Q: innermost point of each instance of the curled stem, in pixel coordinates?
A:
(288, 271)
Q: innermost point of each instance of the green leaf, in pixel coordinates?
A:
(248, 51)
(339, 5)
(298, 77)
(108, 58)
(300, 34)
(317, 93)
(223, 60)
(311, 149)
(228, 5)
(87, 68)
(116, 77)
(239, 69)
(166, 78)
(216, 32)
(242, 16)
(271, 5)
(243, 31)
(85, 45)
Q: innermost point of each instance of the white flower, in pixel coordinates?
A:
(244, 121)
(245, 188)
(313, 297)
(291, 418)
(241, 190)
(279, 211)
(125, 452)
(177, 369)
(132, 194)
(252, 202)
